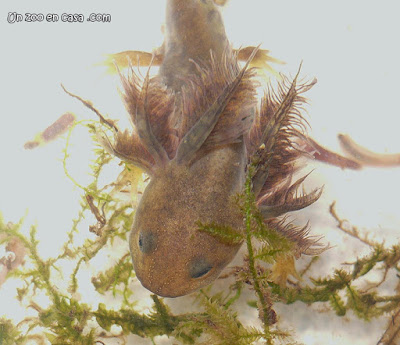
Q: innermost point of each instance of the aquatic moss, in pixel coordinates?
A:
(267, 264)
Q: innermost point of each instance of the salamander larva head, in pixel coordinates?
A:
(170, 255)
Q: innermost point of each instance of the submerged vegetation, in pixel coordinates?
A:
(267, 264)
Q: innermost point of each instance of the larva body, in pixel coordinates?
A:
(171, 257)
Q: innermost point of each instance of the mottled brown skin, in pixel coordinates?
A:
(172, 203)
(171, 256)
(194, 28)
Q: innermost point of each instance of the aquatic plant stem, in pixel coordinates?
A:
(66, 156)
(249, 202)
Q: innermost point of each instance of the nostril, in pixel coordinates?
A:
(147, 241)
(199, 267)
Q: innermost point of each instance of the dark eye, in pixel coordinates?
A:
(147, 241)
(199, 267)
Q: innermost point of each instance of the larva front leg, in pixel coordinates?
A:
(198, 134)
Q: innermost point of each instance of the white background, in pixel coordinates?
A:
(352, 47)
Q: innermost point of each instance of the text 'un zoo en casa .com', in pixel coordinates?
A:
(15, 17)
